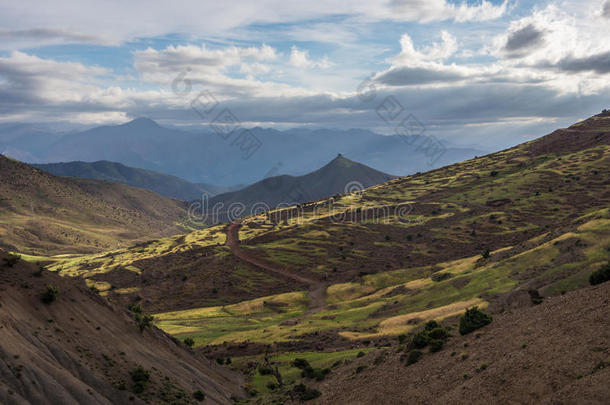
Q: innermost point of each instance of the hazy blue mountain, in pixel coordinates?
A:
(206, 157)
(163, 184)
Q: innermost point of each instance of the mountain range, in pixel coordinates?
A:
(228, 159)
(163, 184)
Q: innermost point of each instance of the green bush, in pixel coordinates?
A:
(304, 393)
(414, 356)
(136, 308)
(600, 275)
(535, 297)
(433, 335)
(50, 294)
(438, 334)
(473, 319)
(199, 395)
(486, 253)
(189, 342)
(143, 320)
(440, 276)
(420, 340)
(436, 345)
(301, 364)
(140, 378)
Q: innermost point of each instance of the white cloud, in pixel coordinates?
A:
(438, 51)
(300, 58)
(115, 21)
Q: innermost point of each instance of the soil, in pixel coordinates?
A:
(80, 349)
(557, 352)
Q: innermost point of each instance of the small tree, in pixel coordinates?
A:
(473, 319)
(189, 342)
(600, 275)
(199, 395)
(50, 294)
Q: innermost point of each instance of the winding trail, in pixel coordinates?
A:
(317, 289)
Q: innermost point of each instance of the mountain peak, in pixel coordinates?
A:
(142, 123)
(340, 161)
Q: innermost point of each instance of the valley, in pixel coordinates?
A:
(360, 271)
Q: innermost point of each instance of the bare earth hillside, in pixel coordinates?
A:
(554, 353)
(80, 349)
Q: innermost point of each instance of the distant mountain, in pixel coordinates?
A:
(44, 214)
(338, 176)
(206, 157)
(166, 185)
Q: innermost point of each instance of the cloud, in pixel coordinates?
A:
(523, 39)
(300, 59)
(440, 10)
(598, 63)
(405, 76)
(409, 56)
(118, 21)
(50, 34)
(606, 9)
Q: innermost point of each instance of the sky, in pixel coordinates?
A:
(485, 73)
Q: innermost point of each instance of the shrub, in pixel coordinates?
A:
(438, 334)
(420, 340)
(440, 276)
(473, 319)
(136, 308)
(414, 356)
(301, 364)
(199, 395)
(600, 275)
(262, 370)
(140, 377)
(189, 342)
(436, 345)
(360, 354)
(50, 294)
(304, 393)
(486, 253)
(432, 325)
(11, 260)
(535, 297)
(143, 320)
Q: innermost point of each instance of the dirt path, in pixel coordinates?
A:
(317, 289)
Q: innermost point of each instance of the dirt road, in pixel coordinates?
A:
(317, 289)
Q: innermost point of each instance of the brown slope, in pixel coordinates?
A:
(44, 214)
(77, 349)
(566, 360)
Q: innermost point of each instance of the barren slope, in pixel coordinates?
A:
(80, 349)
(554, 353)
